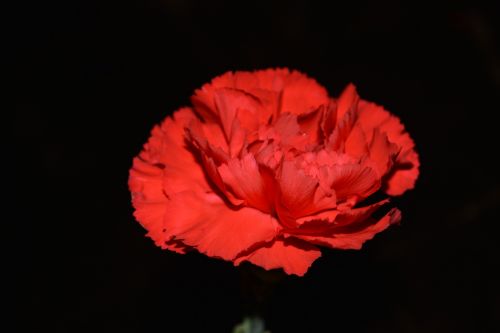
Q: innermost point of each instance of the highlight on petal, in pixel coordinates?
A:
(292, 255)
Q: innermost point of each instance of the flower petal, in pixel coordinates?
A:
(336, 220)
(329, 121)
(149, 201)
(354, 240)
(404, 174)
(203, 98)
(298, 93)
(243, 178)
(292, 255)
(406, 167)
(302, 94)
(337, 140)
(268, 154)
(211, 157)
(300, 195)
(167, 140)
(352, 180)
(325, 217)
(356, 144)
(150, 215)
(310, 124)
(203, 221)
(297, 190)
(347, 101)
(289, 91)
(289, 133)
(175, 245)
(154, 176)
(231, 102)
(382, 152)
(146, 182)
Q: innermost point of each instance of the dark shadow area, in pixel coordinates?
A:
(91, 80)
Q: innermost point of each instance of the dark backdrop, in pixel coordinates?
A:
(93, 78)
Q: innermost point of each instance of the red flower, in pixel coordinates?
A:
(266, 166)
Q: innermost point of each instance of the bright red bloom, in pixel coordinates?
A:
(266, 166)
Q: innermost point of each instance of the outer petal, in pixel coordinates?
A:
(167, 140)
(261, 104)
(146, 182)
(321, 228)
(336, 218)
(325, 218)
(148, 198)
(149, 201)
(404, 173)
(154, 176)
(302, 94)
(292, 255)
(298, 93)
(382, 152)
(203, 98)
(354, 240)
(288, 91)
(203, 221)
(405, 170)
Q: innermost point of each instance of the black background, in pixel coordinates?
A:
(93, 78)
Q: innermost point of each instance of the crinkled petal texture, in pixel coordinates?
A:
(265, 167)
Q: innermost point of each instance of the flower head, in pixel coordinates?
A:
(265, 167)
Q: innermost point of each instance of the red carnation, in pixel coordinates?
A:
(265, 167)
